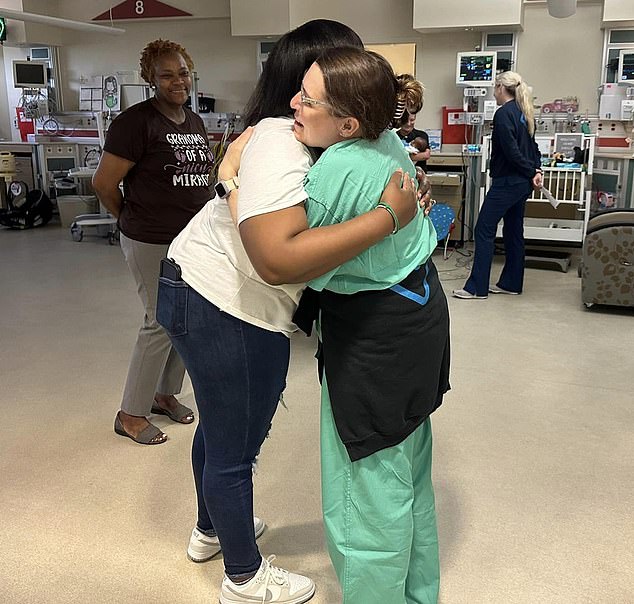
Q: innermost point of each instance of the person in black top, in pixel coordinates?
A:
(160, 150)
(417, 139)
(515, 169)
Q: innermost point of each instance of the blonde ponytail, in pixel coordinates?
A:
(522, 94)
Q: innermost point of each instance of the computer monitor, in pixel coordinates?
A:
(626, 66)
(476, 68)
(30, 74)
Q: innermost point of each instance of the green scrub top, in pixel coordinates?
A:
(347, 181)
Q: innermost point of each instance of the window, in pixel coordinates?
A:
(264, 48)
(506, 46)
(614, 42)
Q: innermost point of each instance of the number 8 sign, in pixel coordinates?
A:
(141, 9)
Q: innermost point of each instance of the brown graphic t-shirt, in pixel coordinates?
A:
(170, 180)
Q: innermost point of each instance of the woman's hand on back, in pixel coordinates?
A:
(230, 163)
(400, 194)
(424, 191)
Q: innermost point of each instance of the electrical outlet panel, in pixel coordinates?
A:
(475, 92)
(474, 119)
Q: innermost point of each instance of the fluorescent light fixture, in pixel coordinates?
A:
(58, 22)
(562, 8)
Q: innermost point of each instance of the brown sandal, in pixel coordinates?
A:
(181, 414)
(145, 437)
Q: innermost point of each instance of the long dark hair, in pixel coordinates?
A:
(293, 54)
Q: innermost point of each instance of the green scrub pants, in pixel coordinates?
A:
(379, 517)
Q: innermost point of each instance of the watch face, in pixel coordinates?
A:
(221, 189)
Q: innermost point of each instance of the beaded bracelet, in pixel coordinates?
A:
(392, 213)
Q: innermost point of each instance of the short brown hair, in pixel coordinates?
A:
(157, 49)
(361, 84)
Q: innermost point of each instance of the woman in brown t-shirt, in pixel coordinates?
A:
(159, 149)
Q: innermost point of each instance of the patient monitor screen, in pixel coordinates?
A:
(626, 67)
(476, 69)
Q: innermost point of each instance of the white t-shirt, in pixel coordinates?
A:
(209, 250)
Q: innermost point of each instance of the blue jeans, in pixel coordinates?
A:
(238, 372)
(506, 199)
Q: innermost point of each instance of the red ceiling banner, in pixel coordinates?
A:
(141, 9)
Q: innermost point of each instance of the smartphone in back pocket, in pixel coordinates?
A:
(170, 270)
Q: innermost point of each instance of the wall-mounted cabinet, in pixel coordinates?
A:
(433, 16)
(618, 13)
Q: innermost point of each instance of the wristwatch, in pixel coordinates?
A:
(224, 187)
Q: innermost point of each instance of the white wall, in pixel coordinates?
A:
(24, 33)
(557, 57)
(226, 66)
(562, 57)
(436, 68)
(270, 18)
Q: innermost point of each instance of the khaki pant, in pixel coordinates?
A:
(155, 365)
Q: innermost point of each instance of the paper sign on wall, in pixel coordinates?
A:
(111, 93)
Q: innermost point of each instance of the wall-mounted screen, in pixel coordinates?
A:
(30, 74)
(476, 68)
(626, 66)
(40, 53)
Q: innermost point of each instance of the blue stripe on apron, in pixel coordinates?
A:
(402, 291)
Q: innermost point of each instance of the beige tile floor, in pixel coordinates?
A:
(534, 446)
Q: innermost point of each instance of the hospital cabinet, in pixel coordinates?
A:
(613, 176)
(455, 180)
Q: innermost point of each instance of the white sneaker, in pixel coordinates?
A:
(463, 294)
(202, 548)
(494, 289)
(270, 584)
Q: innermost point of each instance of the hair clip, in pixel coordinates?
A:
(400, 110)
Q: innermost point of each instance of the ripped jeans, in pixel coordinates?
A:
(238, 372)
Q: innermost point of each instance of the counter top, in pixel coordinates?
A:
(16, 144)
(78, 140)
(448, 150)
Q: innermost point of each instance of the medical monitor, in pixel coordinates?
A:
(626, 66)
(476, 68)
(30, 74)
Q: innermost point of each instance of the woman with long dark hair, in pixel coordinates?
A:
(232, 328)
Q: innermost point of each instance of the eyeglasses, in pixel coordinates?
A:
(310, 102)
